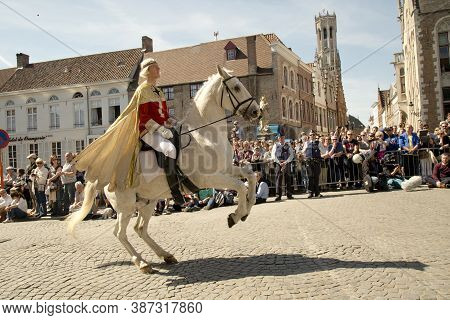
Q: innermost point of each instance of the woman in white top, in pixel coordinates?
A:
(17, 209)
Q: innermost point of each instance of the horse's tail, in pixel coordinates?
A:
(78, 216)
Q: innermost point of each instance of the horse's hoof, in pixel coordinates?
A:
(146, 269)
(230, 221)
(170, 260)
(244, 218)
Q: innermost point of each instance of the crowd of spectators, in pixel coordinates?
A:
(398, 151)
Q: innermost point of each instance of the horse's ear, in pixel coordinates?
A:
(222, 72)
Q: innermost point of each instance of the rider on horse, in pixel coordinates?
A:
(113, 158)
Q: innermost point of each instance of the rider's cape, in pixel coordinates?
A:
(113, 157)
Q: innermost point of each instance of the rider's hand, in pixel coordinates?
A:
(166, 133)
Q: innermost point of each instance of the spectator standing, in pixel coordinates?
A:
(444, 142)
(282, 155)
(312, 154)
(55, 187)
(40, 176)
(29, 169)
(336, 167)
(409, 143)
(68, 179)
(351, 147)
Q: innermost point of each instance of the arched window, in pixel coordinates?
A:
(297, 112)
(77, 95)
(283, 108)
(324, 34)
(331, 32)
(31, 100)
(402, 72)
(9, 103)
(113, 91)
(53, 98)
(285, 74)
(292, 80)
(95, 93)
(291, 111)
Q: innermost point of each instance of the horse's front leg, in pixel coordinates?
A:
(247, 173)
(221, 181)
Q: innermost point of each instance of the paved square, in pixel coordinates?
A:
(348, 245)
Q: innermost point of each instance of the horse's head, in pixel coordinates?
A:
(236, 98)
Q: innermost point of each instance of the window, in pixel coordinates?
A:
(56, 150)
(291, 111)
(318, 88)
(34, 149)
(402, 80)
(113, 91)
(54, 117)
(96, 112)
(324, 34)
(283, 108)
(12, 156)
(194, 88)
(9, 103)
(301, 83)
(95, 93)
(79, 145)
(11, 120)
(444, 52)
(305, 85)
(77, 95)
(446, 98)
(231, 54)
(292, 80)
(297, 112)
(302, 109)
(79, 114)
(168, 92)
(114, 109)
(53, 98)
(32, 118)
(285, 75)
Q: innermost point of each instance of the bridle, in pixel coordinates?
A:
(234, 102)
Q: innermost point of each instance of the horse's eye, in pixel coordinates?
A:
(237, 88)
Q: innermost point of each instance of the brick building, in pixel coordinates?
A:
(425, 27)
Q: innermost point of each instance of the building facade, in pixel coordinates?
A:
(425, 27)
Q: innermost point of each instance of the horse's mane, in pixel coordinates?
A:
(205, 92)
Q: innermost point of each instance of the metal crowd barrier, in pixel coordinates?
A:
(342, 172)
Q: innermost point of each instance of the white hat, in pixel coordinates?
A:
(10, 168)
(33, 155)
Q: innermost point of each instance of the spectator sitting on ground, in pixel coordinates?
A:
(79, 197)
(17, 209)
(441, 174)
(220, 198)
(5, 201)
(262, 189)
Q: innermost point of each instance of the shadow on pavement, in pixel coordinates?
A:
(219, 269)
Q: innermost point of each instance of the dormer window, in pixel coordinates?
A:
(231, 51)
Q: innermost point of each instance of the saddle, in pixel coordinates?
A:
(175, 176)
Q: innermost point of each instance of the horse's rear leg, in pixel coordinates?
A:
(120, 231)
(141, 228)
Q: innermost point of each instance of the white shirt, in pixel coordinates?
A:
(277, 148)
(41, 175)
(68, 179)
(5, 201)
(263, 190)
(21, 203)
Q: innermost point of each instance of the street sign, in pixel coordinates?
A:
(4, 139)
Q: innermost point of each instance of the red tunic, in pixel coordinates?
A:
(152, 106)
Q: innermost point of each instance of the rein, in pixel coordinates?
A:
(236, 107)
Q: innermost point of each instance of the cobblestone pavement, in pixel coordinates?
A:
(348, 245)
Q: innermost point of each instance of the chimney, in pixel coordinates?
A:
(251, 54)
(23, 60)
(147, 44)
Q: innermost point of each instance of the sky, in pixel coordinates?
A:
(94, 26)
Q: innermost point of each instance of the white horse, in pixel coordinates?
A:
(207, 162)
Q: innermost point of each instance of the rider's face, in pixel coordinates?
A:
(153, 71)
